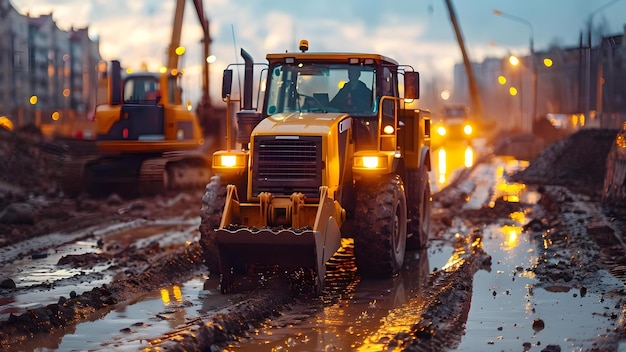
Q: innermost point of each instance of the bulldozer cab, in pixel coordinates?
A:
(366, 89)
(321, 87)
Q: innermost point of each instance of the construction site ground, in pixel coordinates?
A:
(586, 237)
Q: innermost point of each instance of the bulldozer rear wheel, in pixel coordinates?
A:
(380, 219)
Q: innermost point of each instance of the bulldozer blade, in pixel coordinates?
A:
(311, 246)
(266, 247)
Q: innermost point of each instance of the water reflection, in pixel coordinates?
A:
(449, 161)
(351, 323)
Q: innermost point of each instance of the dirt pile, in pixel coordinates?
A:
(28, 163)
(577, 162)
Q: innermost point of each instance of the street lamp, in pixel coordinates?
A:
(588, 55)
(33, 101)
(532, 55)
(590, 21)
(521, 20)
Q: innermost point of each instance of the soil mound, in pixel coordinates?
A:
(577, 162)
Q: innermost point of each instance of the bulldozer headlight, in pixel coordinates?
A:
(180, 135)
(229, 160)
(467, 129)
(441, 131)
(370, 162)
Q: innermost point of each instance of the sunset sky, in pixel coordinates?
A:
(417, 33)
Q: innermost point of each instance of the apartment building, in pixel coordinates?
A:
(46, 73)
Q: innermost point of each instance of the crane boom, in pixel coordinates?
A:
(206, 41)
(205, 110)
(473, 87)
(172, 57)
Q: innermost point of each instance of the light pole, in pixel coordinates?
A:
(532, 56)
(588, 56)
(590, 20)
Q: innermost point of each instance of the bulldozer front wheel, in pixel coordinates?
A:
(421, 208)
(380, 219)
(211, 215)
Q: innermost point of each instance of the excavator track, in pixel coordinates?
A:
(72, 177)
(173, 171)
(153, 177)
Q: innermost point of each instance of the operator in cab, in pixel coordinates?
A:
(354, 95)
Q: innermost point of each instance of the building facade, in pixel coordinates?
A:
(15, 87)
(584, 84)
(46, 73)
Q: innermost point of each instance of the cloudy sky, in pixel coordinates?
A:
(414, 32)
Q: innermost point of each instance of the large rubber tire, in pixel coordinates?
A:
(213, 202)
(380, 220)
(420, 209)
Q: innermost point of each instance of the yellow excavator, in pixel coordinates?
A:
(147, 139)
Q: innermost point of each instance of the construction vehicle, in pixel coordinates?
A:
(147, 140)
(453, 125)
(307, 171)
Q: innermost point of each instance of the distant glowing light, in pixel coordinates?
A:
(513, 60)
(211, 59)
(502, 80)
(180, 50)
(33, 100)
(55, 116)
(445, 94)
(513, 91)
(547, 62)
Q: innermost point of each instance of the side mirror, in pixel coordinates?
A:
(227, 83)
(411, 85)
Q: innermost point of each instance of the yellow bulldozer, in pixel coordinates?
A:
(324, 157)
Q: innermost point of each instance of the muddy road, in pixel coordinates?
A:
(510, 266)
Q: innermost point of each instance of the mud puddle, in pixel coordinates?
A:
(340, 325)
(130, 327)
(40, 280)
(510, 311)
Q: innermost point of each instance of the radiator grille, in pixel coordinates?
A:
(284, 166)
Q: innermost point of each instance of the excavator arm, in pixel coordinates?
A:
(172, 57)
(172, 62)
